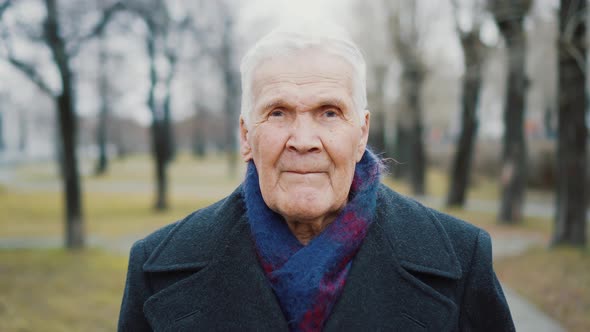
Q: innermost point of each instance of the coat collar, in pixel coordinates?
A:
(214, 243)
(226, 290)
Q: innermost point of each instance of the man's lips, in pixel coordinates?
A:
(303, 172)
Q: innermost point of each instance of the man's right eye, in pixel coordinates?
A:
(277, 113)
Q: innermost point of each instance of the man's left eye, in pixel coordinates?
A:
(276, 113)
(330, 114)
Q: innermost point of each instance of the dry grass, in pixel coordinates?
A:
(118, 203)
(39, 214)
(557, 280)
(56, 290)
(139, 169)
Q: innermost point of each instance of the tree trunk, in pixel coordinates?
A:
(101, 132)
(23, 132)
(160, 143)
(74, 221)
(75, 233)
(513, 176)
(160, 155)
(198, 139)
(231, 134)
(168, 130)
(232, 93)
(101, 138)
(401, 153)
(571, 192)
(377, 132)
(417, 159)
(409, 151)
(2, 144)
(378, 118)
(471, 85)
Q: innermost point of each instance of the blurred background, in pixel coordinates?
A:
(120, 116)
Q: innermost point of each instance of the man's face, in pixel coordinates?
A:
(304, 135)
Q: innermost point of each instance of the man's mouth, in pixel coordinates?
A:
(303, 172)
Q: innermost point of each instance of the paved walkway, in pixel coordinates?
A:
(531, 208)
(527, 317)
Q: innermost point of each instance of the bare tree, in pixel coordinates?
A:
(571, 191)
(3, 103)
(2, 144)
(163, 43)
(473, 55)
(103, 113)
(63, 48)
(23, 131)
(216, 34)
(231, 79)
(407, 35)
(379, 56)
(509, 16)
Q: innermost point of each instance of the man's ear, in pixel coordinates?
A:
(365, 124)
(245, 148)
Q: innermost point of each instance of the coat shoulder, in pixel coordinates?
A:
(417, 227)
(195, 236)
(410, 205)
(197, 220)
(464, 236)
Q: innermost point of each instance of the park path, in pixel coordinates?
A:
(527, 317)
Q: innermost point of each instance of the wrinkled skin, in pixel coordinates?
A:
(305, 137)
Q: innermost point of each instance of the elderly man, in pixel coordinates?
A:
(311, 240)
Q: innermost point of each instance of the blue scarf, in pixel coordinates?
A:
(308, 280)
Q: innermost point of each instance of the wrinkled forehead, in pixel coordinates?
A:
(301, 67)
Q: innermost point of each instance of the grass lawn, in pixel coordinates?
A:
(54, 290)
(119, 203)
(557, 280)
(39, 214)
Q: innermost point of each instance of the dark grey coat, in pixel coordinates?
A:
(417, 270)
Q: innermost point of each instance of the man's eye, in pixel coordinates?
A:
(330, 114)
(276, 113)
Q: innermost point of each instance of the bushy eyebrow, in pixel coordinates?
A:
(274, 103)
(338, 102)
(279, 102)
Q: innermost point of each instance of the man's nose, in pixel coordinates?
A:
(304, 135)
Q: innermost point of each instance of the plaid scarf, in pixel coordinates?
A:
(308, 280)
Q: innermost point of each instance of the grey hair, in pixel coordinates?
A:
(289, 38)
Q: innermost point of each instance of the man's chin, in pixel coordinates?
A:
(306, 212)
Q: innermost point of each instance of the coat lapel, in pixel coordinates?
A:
(383, 291)
(229, 292)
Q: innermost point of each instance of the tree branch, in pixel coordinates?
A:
(455, 6)
(567, 37)
(578, 56)
(30, 71)
(27, 69)
(98, 29)
(4, 6)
